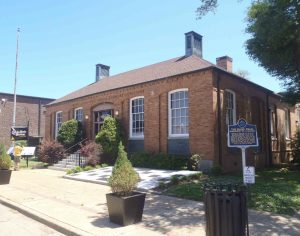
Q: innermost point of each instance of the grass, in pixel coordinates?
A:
(276, 190)
(32, 163)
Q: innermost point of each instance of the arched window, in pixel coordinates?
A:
(78, 114)
(137, 117)
(230, 106)
(179, 113)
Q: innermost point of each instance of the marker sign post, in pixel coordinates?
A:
(242, 135)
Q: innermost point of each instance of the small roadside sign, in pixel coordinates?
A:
(249, 175)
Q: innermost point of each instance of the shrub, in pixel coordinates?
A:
(110, 135)
(175, 179)
(216, 170)
(50, 152)
(92, 151)
(5, 161)
(158, 161)
(194, 162)
(124, 178)
(70, 133)
(87, 168)
(295, 145)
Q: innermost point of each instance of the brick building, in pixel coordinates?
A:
(181, 106)
(29, 111)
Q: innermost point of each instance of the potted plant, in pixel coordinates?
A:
(125, 206)
(5, 163)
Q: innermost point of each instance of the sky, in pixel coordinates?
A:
(61, 41)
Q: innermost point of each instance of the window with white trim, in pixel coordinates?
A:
(178, 113)
(58, 122)
(287, 125)
(230, 106)
(272, 122)
(78, 114)
(137, 117)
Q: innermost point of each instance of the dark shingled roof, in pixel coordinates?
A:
(156, 71)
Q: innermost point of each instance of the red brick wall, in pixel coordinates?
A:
(156, 111)
(27, 110)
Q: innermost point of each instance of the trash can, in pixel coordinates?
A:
(226, 210)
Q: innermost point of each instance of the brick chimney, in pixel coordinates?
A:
(193, 44)
(225, 62)
(102, 71)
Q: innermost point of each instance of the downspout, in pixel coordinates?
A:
(219, 120)
(269, 137)
(39, 118)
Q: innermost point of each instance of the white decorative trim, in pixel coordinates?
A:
(137, 137)
(170, 116)
(56, 128)
(76, 109)
(234, 104)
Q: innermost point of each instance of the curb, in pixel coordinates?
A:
(44, 219)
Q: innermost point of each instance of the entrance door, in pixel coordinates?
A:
(99, 117)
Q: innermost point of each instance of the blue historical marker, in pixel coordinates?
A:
(242, 135)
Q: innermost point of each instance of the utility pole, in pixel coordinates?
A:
(16, 76)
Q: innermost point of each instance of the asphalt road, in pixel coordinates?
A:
(14, 223)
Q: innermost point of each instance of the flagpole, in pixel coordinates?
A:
(15, 85)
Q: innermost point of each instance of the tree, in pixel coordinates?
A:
(70, 133)
(274, 26)
(110, 135)
(244, 74)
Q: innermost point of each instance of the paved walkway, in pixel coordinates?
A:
(149, 178)
(14, 223)
(79, 208)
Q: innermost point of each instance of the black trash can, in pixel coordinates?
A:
(226, 210)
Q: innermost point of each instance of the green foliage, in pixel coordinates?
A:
(124, 178)
(175, 179)
(70, 133)
(110, 135)
(275, 190)
(216, 170)
(295, 145)
(5, 161)
(194, 162)
(22, 143)
(51, 151)
(158, 161)
(275, 42)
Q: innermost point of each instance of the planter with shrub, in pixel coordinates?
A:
(5, 163)
(125, 206)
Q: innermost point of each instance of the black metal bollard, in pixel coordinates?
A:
(226, 210)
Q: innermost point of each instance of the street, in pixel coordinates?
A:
(14, 223)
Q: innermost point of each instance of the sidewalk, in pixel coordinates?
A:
(79, 208)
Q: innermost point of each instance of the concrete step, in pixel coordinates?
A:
(57, 168)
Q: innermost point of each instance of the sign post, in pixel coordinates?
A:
(242, 135)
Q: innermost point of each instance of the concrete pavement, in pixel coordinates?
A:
(79, 208)
(14, 223)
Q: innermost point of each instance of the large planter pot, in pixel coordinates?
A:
(125, 210)
(5, 176)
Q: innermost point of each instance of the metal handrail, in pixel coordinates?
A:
(76, 144)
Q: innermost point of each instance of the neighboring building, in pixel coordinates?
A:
(29, 111)
(181, 106)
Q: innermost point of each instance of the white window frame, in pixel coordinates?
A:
(234, 106)
(272, 123)
(56, 122)
(131, 136)
(170, 114)
(77, 109)
(287, 124)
